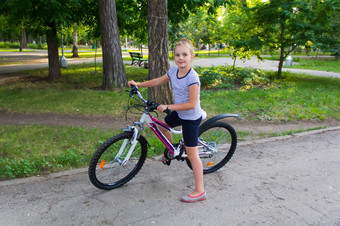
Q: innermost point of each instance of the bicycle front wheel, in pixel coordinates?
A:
(107, 169)
(221, 139)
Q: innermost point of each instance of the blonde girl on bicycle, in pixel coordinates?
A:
(186, 111)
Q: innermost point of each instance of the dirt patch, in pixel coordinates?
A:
(53, 119)
(111, 122)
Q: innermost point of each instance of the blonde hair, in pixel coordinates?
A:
(186, 42)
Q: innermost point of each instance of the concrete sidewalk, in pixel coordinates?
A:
(292, 180)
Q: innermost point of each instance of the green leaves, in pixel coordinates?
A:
(229, 77)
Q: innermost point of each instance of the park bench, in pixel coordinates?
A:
(137, 59)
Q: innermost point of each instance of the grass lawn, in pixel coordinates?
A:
(36, 149)
(321, 64)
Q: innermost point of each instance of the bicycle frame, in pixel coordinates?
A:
(152, 123)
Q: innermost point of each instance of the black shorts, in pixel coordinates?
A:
(189, 128)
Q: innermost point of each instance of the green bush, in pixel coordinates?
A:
(37, 46)
(10, 45)
(229, 77)
(14, 45)
(4, 45)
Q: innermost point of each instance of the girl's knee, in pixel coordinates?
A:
(192, 152)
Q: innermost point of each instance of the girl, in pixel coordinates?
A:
(186, 111)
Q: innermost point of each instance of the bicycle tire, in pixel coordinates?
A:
(224, 137)
(105, 172)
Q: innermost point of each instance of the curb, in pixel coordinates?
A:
(307, 133)
(83, 170)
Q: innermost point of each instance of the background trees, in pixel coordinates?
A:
(246, 26)
(45, 17)
(239, 32)
(286, 24)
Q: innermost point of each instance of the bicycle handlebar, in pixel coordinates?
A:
(153, 106)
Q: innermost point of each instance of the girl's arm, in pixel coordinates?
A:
(193, 98)
(151, 83)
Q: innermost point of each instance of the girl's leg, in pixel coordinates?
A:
(166, 133)
(197, 169)
(173, 121)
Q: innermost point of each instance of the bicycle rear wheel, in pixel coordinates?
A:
(220, 137)
(106, 170)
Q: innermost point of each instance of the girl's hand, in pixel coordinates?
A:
(132, 83)
(161, 108)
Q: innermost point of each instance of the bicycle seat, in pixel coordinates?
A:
(204, 114)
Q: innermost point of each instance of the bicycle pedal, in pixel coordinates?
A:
(166, 162)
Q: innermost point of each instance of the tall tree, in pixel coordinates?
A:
(286, 24)
(53, 54)
(46, 16)
(113, 67)
(75, 41)
(158, 49)
(132, 15)
(239, 33)
(23, 38)
(158, 37)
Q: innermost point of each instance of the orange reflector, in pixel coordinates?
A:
(102, 164)
(210, 163)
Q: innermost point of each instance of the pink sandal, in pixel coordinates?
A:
(189, 198)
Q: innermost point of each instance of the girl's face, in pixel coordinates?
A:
(183, 56)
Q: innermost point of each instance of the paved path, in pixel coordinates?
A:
(268, 65)
(293, 180)
(253, 63)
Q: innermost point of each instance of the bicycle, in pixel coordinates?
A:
(121, 157)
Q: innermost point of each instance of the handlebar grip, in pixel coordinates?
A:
(167, 111)
(133, 90)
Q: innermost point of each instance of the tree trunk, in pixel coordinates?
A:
(53, 54)
(75, 41)
(158, 50)
(23, 39)
(282, 49)
(113, 66)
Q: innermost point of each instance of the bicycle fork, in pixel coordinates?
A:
(133, 141)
